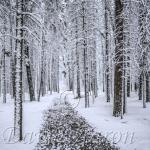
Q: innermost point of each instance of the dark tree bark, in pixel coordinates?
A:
(143, 44)
(29, 74)
(4, 62)
(77, 62)
(147, 88)
(140, 87)
(86, 85)
(135, 87)
(118, 81)
(128, 87)
(42, 73)
(4, 75)
(18, 79)
(107, 76)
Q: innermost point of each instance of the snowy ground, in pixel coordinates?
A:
(32, 123)
(130, 133)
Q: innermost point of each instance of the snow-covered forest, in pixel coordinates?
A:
(74, 74)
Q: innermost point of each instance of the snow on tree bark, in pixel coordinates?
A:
(118, 93)
(18, 79)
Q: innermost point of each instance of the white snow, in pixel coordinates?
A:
(130, 133)
(32, 123)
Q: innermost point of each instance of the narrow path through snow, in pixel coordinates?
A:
(33, 113)
(136, 123)
(130, 133)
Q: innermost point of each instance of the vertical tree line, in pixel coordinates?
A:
(89, 45)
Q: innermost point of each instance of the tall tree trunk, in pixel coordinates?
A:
(144, 90)
(143, 44)
(18, 82)
(118, 79)
(140, 87)
(28, 69)
(41, 83)
(12, 65)
(4, 75)
(128, 86)
(86, 85)
(77, 61)
(4, 63)
(147, 88)
(107, 54)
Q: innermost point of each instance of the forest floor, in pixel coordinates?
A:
(130, 133)
(33, 118)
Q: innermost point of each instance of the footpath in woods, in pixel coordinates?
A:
(50, 126)
(130, 133)
(64, 129)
